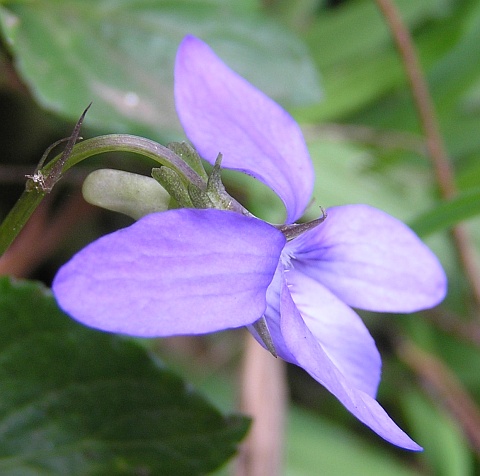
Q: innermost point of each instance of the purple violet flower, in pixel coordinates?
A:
(194, 271)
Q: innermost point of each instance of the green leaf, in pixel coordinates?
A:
(354, 51)
(455, 73)
(80, 402)
(120, 55)
(345, 174)
(314, 443)
(447, 214)
(446, 448)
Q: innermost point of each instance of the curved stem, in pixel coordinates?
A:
(139, 145)
(43, 180)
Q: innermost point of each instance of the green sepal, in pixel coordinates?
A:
(215, 188)
(293, 230)
(175, 186)
(218, 195)
(186, 152)
(263, 332)
(200, 198)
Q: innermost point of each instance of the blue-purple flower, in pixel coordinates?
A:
(194, 271)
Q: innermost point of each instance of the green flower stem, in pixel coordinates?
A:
(18, 217)
(41, 182)
(140, 145)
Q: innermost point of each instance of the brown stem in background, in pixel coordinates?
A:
(454, 325)
(422, 98)
(446, 389)
(434, 141)
(264, 398)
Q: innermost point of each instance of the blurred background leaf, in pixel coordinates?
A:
(120, 55)
(445, 215)
(446, 449)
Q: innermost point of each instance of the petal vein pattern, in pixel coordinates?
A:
(335, 365)
(309, 354)
(338, 330)
(222, 113)
(370, 260)
(177, 272)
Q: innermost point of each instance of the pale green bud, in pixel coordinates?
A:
(124, 192)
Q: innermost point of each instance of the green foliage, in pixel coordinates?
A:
(76, 401)
(317, 443)
(446, 449)
(353, 49)
(120, 55)
(445, 215)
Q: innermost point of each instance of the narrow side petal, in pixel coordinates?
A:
(339, 330)
(309, 355)
(177, 272)
(222, 113)
(370, 260)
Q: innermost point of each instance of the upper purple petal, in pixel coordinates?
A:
(339, 330)
(370, 260)
(309, 354)
(177, 272)
(222, 113)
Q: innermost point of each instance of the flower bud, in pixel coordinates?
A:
(125, 192)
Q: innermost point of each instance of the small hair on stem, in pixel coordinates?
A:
(44, 182)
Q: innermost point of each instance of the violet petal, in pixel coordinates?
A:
(339, 330)
(310, 355)
(370, 260)
(177, 272)
(222, 113)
